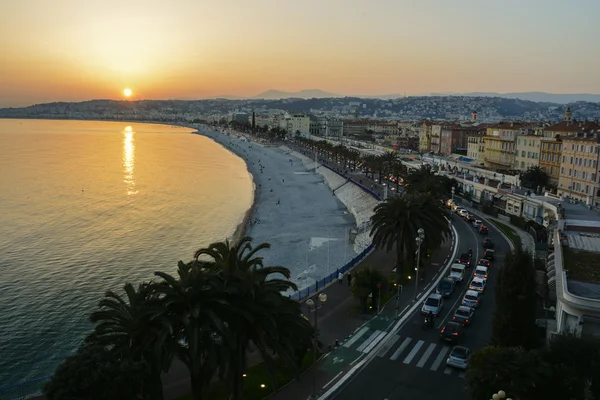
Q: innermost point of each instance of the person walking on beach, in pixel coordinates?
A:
(340, 278)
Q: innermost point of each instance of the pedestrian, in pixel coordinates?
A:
(340, 278)
(349, 279)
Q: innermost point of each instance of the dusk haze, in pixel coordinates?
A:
(69, 50)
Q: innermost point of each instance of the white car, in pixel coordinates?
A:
(477, 284)
(481, 271)
(471, 299)
(477, 223)
(457, 272)
(463, 212)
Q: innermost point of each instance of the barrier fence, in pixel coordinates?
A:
(25, 390)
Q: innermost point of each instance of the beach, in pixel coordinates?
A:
(294, 210)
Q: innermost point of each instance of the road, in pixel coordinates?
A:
(411, 364)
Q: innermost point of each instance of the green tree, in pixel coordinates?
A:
(425, 180)
(97, 373)
(534, 178)
(256, 302)
(196, 306)
(514, 319)
(364, 283)
(136, 327)
(396, 221)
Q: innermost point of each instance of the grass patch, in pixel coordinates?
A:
(582, 265)
(508, 231)
(255, 377)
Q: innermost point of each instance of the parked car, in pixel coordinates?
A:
(485, 262)
(451, 332)
(471, 299)
(477, 223)
(477, 284)
(488, 243)
(459, 357)
(463, 315)
(481, 271)
(489, 254)
(483, 230)
(434, 303)
(446, 287)
(457, 272)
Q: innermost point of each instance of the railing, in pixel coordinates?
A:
(25, 390)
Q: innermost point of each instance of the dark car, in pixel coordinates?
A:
(465, 259)
(485, 262)
(445, 287)
(483, 230)
(463, 315)
(488, 243)
(489, 254)
(451, 332)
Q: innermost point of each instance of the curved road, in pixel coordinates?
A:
(412, 363)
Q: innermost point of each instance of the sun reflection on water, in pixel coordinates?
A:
(129, 160)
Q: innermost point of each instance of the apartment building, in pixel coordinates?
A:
(436, 135)
(579, 168)
(527, 152)
(550, 158)
(425, 137)
(569, 127)
(454, 139)
(476, 147)
(298, 123)
(500, 144)
(354, 127)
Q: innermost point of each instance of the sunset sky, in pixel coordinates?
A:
(71, 50)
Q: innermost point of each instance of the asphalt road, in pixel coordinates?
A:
(412, 364)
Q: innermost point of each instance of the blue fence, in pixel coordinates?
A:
(320, 284)
(24, 390)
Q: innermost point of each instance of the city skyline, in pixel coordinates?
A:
(69, 51)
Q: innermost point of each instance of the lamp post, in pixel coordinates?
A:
(312, 305)
(500, 395)
(398, 298)
(419, 239)
(453, 189)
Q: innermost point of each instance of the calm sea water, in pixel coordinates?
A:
(87, 206)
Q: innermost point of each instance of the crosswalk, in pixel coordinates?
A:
(420, 354)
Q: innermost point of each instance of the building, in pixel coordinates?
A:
(527, 152)
(298, 124)
(241, 118)
(550, 158)
(500, 144)
(425, 137)
(579, 168)
(334, 127)
(436, 134)
(476, 147)
(454, 139)
(354, 128)
(570, 127)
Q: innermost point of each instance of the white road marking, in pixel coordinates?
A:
(439, 358)
(368, 341)
(396, 354)
(413, 352)
(387, 346)
(356, 337)
(333, 380)
(374, 342)
(447, 370)
(428, 352)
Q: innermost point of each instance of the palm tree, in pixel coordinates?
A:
(255, 299)
(425, 180)
(196, 305)
(534, 178)
(136, 326)
(396, 221)
(364, 283)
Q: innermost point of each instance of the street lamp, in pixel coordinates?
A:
(419, 239)
(312, 305)
(398, 298)
(500, 395)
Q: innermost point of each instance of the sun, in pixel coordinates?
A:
(127, 92)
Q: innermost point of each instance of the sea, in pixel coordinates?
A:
(86, 207)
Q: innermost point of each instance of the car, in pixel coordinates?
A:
(459, 357)
(477, 223)
(481, 271)
(462, 212)
(463, 315)
(471, 299)
(451, 332)
(477, 284)
(485, 262)
(483, 230)
(434, 303)
(446, 287)
(489, 254)
(469, 217)
(488, 243)
(457, 272)
(465, 259)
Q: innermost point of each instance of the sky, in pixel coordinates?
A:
(74, 50)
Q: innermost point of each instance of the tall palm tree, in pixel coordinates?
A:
(196, 305)
(255, 299)
(396, 221)
(137, 326)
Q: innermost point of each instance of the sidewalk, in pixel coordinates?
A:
(357, 334)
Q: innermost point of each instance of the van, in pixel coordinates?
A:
(457, 272)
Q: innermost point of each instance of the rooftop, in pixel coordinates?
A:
(583, 272)
(573, 126)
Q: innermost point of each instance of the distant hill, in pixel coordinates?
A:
(540, 97)
(303, 94)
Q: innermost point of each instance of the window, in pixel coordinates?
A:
(564, 158)
(562, 170)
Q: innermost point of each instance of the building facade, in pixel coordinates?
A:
(550, 158)
(298, 124)
(578, 177)
(436, 134)
(527, 152)
(500, 144)
(425, 137)
(476, 147)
